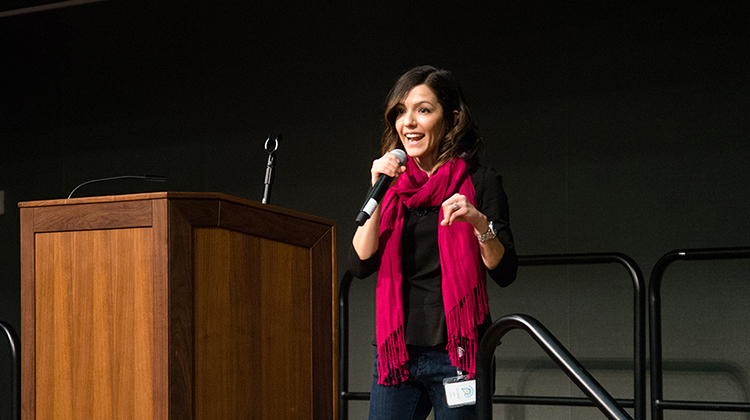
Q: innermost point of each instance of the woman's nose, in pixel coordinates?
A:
(409, 120)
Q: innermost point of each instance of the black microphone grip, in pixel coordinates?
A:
(376, 194)
(378, 190)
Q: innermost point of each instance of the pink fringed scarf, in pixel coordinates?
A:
(463, 273)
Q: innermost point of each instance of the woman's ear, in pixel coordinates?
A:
(449, 127)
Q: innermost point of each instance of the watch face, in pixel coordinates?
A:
(492, 228)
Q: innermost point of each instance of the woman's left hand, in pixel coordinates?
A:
(458, 209)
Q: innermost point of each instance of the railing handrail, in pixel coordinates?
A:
(15, 375)
(557, 352)
(654, 291)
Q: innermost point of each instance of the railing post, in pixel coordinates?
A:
(15, 376)
(639, 310)
(344, 286)
(654, 290)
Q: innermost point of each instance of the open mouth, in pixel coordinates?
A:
(413, 138)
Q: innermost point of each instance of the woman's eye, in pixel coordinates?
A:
(424, 110)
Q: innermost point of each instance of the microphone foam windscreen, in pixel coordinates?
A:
(401, 155)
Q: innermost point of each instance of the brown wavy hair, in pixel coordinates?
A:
(461, 138)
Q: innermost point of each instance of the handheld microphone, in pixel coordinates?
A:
(378, 190)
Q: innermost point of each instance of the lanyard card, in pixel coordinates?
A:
(459, 391)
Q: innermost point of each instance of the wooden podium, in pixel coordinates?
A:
(176, 306)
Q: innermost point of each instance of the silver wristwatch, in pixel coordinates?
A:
(486, 236)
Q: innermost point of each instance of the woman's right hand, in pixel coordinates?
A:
(366, 237)
(388, 165)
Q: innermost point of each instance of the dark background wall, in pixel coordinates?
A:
(617, 127)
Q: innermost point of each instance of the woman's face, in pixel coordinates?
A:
(419, 123)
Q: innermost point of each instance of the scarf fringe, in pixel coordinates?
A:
(392, 357)
(462, 321)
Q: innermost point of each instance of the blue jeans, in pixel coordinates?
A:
(414, 398)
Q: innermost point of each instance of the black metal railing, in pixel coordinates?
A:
(557, 352)
(15, 369)
(658, 404)
(638, 403)
(639, 333)
(344, 394)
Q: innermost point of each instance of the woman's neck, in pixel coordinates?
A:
(429, 168)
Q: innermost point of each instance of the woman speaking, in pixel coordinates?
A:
(441, 226)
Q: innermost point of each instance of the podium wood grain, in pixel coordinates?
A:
(176, 306)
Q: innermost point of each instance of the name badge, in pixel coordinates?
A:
(460, 391)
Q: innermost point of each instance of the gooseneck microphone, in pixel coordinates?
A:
(378, 190)
(157, 178)
(271, 148)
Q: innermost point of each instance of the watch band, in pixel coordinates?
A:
(486, 236)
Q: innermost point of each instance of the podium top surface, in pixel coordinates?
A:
(170, 195)
(106, 199)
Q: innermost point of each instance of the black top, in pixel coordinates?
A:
(420, 260)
